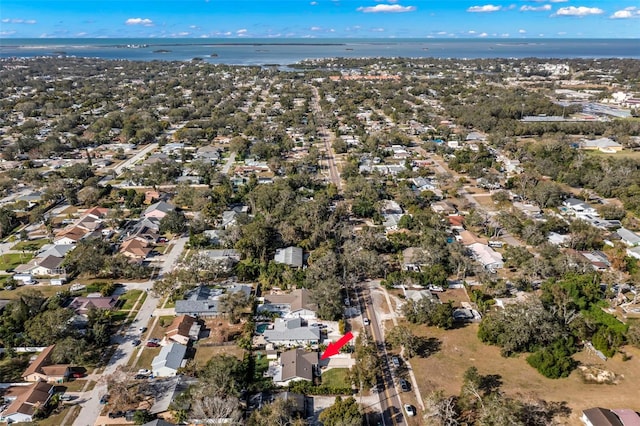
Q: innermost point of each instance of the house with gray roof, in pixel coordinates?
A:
(628, 237)
(291, 332)
(292, 305)
(291, 256)
(159, 210)
(55, 250)
(200, 302)
(169, 360)
(294, 365)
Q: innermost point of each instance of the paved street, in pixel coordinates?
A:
(390, 402)
(326, 135)
(91, 406)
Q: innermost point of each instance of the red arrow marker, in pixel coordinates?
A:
(334, 348)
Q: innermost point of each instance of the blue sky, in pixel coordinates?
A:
(321, 18)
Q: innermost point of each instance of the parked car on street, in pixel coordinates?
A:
(136, 342)
(404, 385)
(151, 344)
(104, 399)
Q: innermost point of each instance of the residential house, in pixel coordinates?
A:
(165, 391)
(601, 144)
(28, 401)
(292, 332)
(42, 370)
(200, 302)
(74, 234)
(291, 256)
(627, 417)
(456, 222)
(418, 295)
(579, 207)
(600, 417)
(135, 249)
(47, 266)
(147, 229)
(443, 207)
(183, 329)
(82, 305)
(599, 261)
(634, 252)
(158, 210)
(209, 154)
(295, 304)
(56, 250)
(169, 360)
(294, 365)
(489, 258)
(628, 237)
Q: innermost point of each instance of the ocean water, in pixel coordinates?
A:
(283, 52)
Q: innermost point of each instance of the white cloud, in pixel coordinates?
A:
(471, 32)
(579, 11)
(483, 35)
(315, 28)
(377, 30)
(313, 3)
(386, 8)
(19, 21)
(542, 8)
(7, 33)
(241, 31)
(521, 31)
(139, 21)
(626, 13)
(485, 8)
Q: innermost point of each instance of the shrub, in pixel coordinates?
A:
(554, 361)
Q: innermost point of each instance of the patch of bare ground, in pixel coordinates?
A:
(462, 349)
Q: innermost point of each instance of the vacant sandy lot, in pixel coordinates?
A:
(461, 349)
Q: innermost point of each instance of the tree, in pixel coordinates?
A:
(173, 222)
(427, 311)
(367, 366)
(401, 336)
(281, 412)
(232, 304)
(8, 221)
(342, 413)
(141, 417)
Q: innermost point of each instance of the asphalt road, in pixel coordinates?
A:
(326, 136)
(91, 407)
(389, 399)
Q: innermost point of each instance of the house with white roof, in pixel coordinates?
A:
(579, 207)
(291, 332)
(291, 256)
(601, 144)
(489, 258)
(169, 360)
(628, 237)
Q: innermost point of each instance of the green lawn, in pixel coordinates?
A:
(76, 385)
(336, 378)
(129, 299)
(30, 245)
(46, 290)
(11, 260)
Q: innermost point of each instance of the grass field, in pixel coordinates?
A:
(205, 353)
(461, 349)
(336, 378)
(30, 245)
(46, 290)
(129, 299)
(634, 155)
(11, 260)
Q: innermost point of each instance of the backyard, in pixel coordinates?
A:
(461, 349)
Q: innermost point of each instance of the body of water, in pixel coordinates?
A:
(283, 52)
